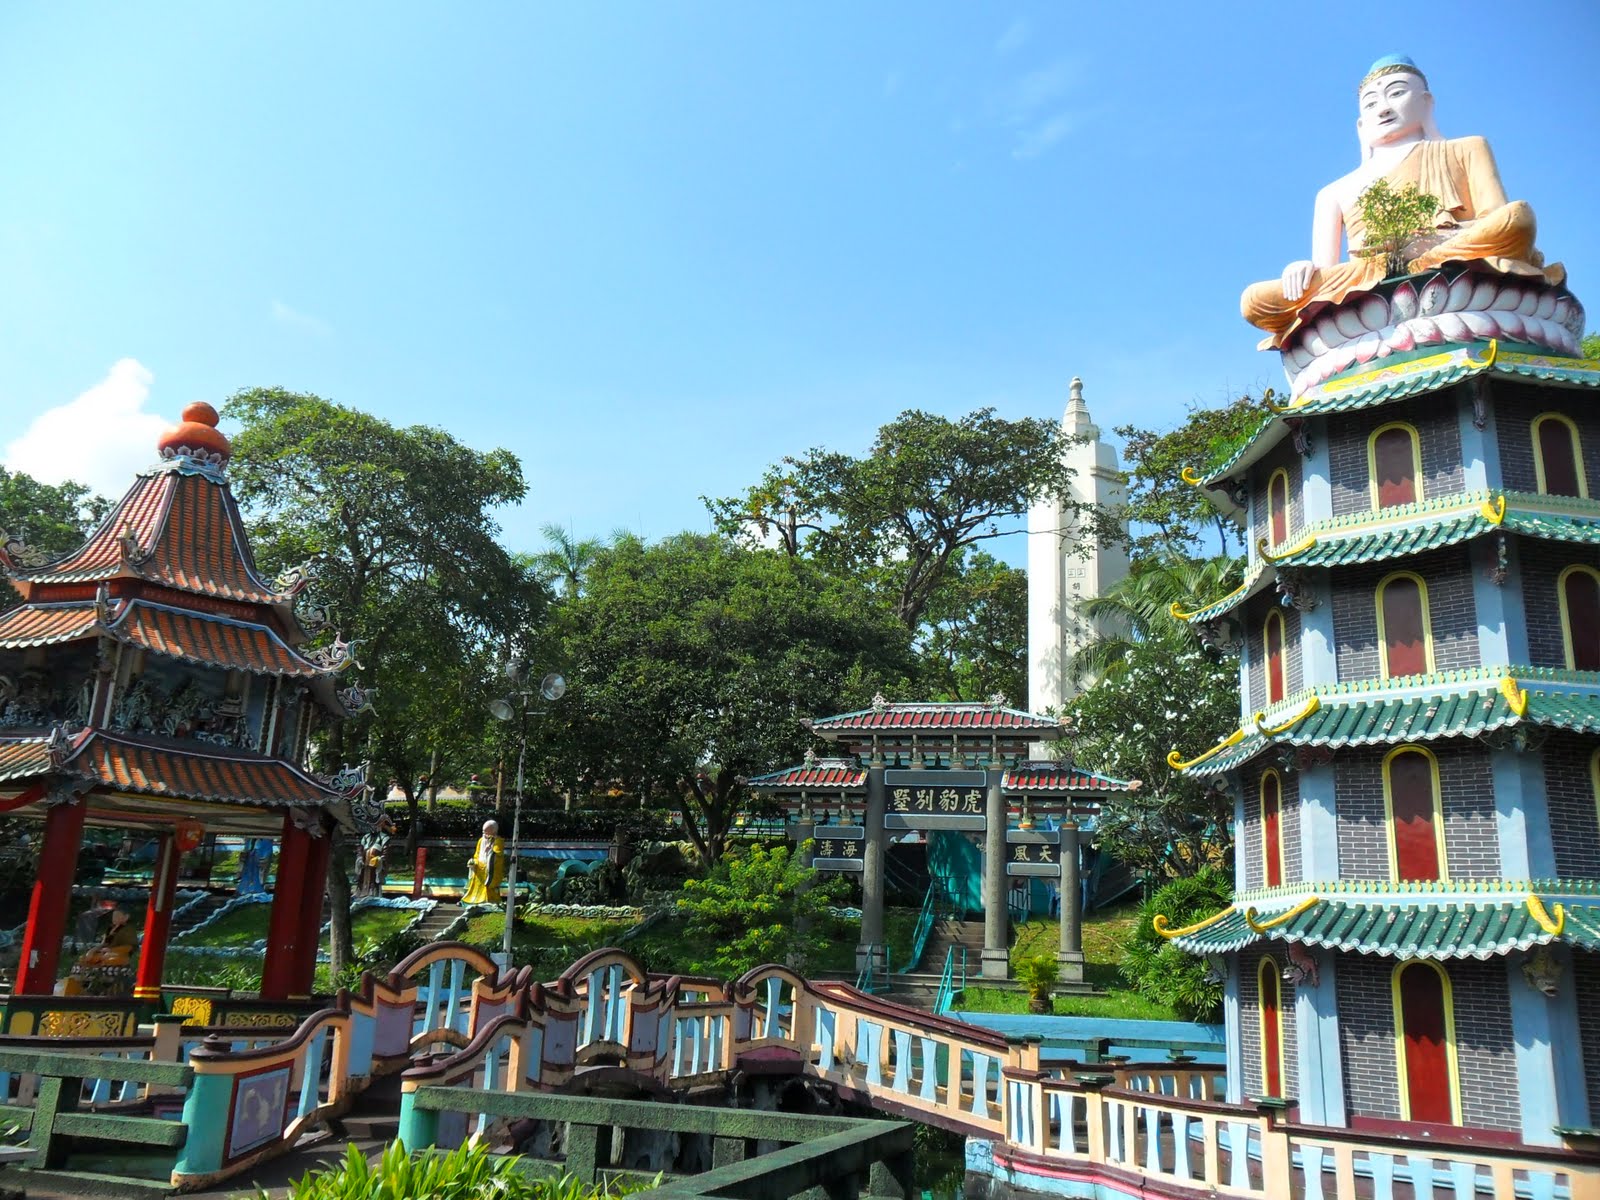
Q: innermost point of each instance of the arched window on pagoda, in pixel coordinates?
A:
(1558, 456)
(1579, 592)
(1278, 507)
(1425, 1044)
(1268, 991)
(1394, 460)
(1594, 783)
(1272, 644)
(1416, 821)
(1272, 827)
(1405, 639)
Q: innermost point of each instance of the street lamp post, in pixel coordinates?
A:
(551, 687)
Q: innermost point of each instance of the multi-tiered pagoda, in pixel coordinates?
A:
(152, 680)
(1416, 933)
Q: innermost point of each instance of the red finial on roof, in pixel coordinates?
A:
(196, 436)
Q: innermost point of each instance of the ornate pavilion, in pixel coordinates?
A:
(952, 772)
(1415, 940)
(152, 680)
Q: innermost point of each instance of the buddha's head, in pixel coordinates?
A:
(1394, 105)
(490, 828)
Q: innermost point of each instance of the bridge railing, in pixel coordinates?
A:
(246, 1105)
(841, 1155)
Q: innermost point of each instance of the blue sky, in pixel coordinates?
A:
(651, 248)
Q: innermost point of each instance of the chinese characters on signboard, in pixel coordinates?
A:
(946, 801)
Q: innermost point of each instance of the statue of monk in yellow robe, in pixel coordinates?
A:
(486, 868)
(1402, 144)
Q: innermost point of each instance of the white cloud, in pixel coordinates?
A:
(1014, 38)
(294, 319)
(1024, 96)
(100, 438)
(1030, 106)
(1036, 139)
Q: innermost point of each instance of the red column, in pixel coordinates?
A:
(316, 883)
(283, 926)
(157, 921)
(47, 912)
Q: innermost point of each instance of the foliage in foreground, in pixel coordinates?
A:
(466, 1173)
(757, 907)
(1161, 971)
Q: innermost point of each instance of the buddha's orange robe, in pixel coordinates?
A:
(1475, 223)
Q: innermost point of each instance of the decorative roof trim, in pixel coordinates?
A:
(1474, 513)
(1396, 381)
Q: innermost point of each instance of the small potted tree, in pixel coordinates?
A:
(1395, 218)
(1039, 975)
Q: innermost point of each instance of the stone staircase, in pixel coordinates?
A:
(437, 921)
(204, 910)
(945, 934)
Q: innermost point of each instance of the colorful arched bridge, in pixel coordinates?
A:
(477, 1051)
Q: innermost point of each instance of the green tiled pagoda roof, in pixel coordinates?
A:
(1413, 709)
(1412, 528)
(1395, 380)
(1409, 922)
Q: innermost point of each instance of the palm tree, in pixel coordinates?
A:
(1138, 607)
(566, 559)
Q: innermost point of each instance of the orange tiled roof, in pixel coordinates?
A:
(45, 625)
(192, 770)
(215, 641)
(163, 629)
(22, 757)
(175, 526)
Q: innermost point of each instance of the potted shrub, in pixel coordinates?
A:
(1039, 975)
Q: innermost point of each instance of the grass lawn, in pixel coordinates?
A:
(533, 940)
(1104, 934)
(247, 925)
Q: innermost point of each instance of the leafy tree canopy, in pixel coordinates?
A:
(902, 514)
(1166, 512)
(693, 662)
(1160, 689)
(759, 906)
(398, 525)
(48, 518)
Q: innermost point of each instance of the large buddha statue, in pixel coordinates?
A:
(1401, 143)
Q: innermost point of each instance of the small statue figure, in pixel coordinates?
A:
(1401, 143)
(372, 869)
(103, 969)
(253, 867)
(486, 868)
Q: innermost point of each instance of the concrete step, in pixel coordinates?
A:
(66, 1182)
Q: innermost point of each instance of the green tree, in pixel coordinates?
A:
(759, 906)
(565, 560)
(974, 636)
(1138, 607)
(1393, 217)
(693, 662)
(901, 515)
(1591, 345)
(1159, 970)
(1166, 512)
(398, 524)
(1159, 688)
(49, 519)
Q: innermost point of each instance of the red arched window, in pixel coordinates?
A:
(1425, 1028)
(1278, 507)
(1411, 787)
(1404, 643)
(1580, 617)
(1394, 456)
(1557, 464)
(1271, 1028)
(1272, 827)
(1272, 637)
